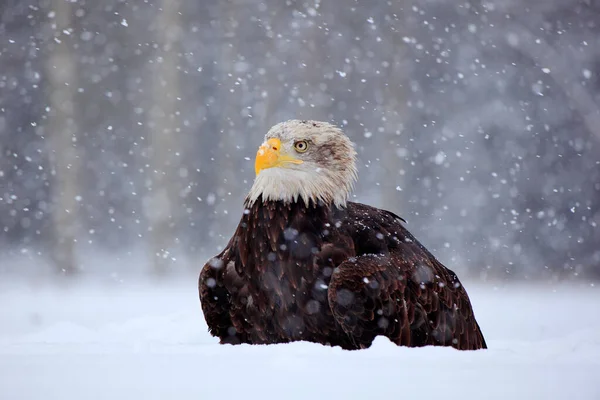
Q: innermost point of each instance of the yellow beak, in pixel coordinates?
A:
(269, 155)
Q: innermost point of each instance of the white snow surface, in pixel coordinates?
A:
(150, 341)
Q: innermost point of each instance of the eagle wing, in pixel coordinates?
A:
(217, 279)
(214, 297)
(394, 287)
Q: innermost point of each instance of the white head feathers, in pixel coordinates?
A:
(327, 171)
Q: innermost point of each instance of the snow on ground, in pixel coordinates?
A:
(149, 341)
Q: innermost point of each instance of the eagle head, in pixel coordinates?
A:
(308, 160)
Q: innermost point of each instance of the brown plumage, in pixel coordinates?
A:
(338, 275)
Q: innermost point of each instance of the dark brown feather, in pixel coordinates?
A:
(334, 276)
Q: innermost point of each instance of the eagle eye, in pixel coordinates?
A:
(301, 146)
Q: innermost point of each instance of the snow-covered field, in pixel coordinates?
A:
(148, 341)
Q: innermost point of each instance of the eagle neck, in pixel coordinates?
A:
(277, 234)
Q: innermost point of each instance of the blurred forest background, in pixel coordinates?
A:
(128, 129)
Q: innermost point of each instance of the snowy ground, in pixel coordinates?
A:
(126, 341)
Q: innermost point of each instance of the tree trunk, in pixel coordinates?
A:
(162, 203)
(62, 135)
(394, 103)
(231, 134)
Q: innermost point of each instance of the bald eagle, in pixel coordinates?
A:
(307, 264)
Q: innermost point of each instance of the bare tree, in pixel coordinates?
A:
(394, 99)
(62, 134)
(230, 97)
(162, 203)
